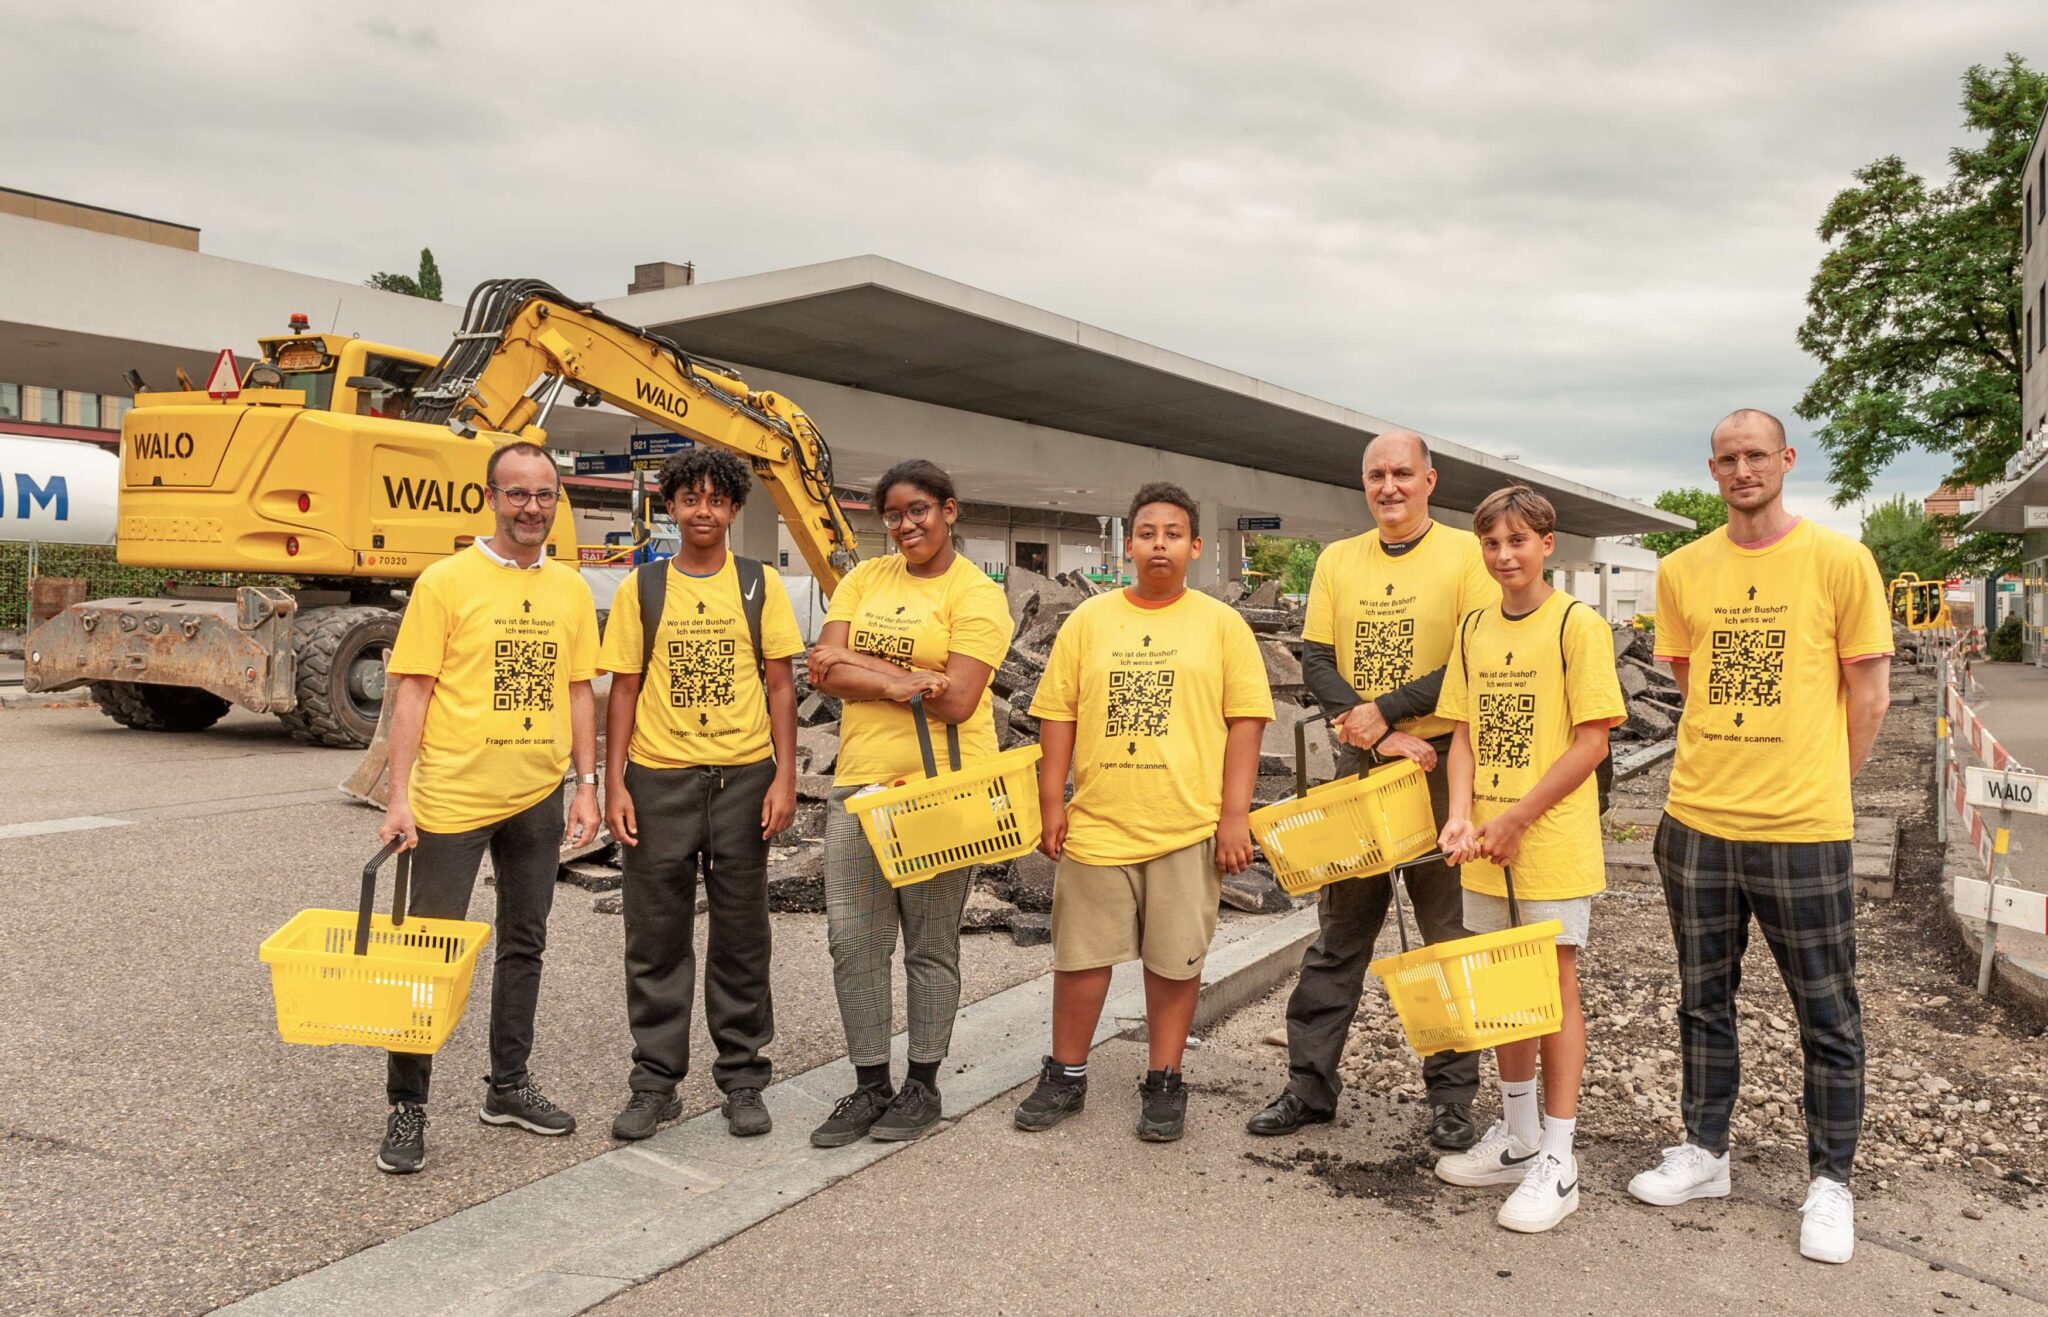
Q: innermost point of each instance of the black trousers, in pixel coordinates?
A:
(692, 821)
(526, 852)
(1352, 912)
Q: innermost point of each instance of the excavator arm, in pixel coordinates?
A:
(522, 343)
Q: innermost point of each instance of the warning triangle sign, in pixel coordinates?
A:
(225, 381)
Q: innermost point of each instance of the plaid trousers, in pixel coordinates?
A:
(862, 914)
(1800, 894)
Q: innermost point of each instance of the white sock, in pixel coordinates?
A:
(1074, 1071)
(1557, 1138)
(1518, 1106)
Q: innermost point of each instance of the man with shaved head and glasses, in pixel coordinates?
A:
(1780, 637)
(491, 704)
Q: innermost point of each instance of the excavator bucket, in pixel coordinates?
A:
(370, 783)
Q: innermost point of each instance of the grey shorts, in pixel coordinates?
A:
(1489, 914)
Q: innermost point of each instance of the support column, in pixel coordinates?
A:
(1208, 569)
(755, 533)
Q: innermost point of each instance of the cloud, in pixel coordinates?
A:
(1579, 231)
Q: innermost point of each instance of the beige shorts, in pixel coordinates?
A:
(1162, 912)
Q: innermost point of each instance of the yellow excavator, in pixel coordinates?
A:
(1920, 605)
(347, 468)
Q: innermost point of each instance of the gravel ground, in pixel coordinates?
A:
(1954, 1083)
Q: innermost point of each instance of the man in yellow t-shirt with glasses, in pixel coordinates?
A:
(1780, 636)
(1383, 609)
(492, 703)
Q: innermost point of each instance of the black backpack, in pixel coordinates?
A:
(1603, 772)
(651, 580)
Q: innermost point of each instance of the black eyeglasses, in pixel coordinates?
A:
(915, 512)
(519, 498)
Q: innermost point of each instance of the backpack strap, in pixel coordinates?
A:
(651, 580)
(1603, 772)
(753, 580)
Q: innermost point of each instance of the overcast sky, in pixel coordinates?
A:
(1577, 232)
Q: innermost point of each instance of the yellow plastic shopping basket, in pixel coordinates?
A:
(922, 827)
(1474, 992)
(1350, 828)
(352, 976)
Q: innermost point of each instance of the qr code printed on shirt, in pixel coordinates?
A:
(1140, 702)
(523, 675)
(700, 672)
(1747, 667)
(896, 649)
(1382, 654)
(1506, 726)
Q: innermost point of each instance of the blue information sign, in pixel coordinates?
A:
(1258, 523)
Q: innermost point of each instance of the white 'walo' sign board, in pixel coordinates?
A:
(2023, 793)
(2011, 907)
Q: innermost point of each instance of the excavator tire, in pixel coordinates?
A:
(340, 685)
(158, 708)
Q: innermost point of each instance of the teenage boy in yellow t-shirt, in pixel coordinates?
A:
(1532, 691)
(700, 771)
(1156, 696)
(491, 702)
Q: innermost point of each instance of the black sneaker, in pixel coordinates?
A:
(644, 1113)
(1056, 1098)
(1286, 1114)
(915, 1110)
(524, 1106)
(852, 1118)
(1452, 1130)
(404, 1149)
(1162, 1106)
(745, 1114)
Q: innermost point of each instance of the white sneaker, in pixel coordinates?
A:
(1829, 1232)
(1498, 1158)
(1688, 1171)
(1549, 1193)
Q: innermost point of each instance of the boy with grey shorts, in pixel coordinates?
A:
(1531, 691)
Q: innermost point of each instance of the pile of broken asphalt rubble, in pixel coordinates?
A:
(1017, 896)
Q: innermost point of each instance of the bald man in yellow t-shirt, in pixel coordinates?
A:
(1383, 611)
(1780, 636)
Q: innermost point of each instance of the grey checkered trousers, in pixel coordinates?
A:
(862, 915)
(1801, 897)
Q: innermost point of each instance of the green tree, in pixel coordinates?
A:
(426, 284)
(1900, 537)
(1289, 560)
(1914, 313)
(1703, 506)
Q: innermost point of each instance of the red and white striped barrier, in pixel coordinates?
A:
(1960, 720)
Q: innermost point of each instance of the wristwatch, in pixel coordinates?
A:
(586, 779)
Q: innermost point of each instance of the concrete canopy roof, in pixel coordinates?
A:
(877, 325)
(2005, 510)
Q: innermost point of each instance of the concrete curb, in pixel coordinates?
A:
(571, 1240)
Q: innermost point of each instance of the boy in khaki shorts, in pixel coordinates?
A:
(1156, 697)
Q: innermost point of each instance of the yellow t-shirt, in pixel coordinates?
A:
(1522, 686)
(915, 623)
(1392, 618)
(1763, 745)
(502, 645)
(703, 703)
(1147, 690)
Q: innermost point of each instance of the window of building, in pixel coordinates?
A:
(40, 404)
(2027, 213)
(2041, 317)
(10, 402)
(112, 409)
(82, 409)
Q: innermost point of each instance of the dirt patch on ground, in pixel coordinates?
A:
(1405, 1183)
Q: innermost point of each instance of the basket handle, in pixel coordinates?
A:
(1397, 877)
(1301, 752)
(399, 883)
(924, 738)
